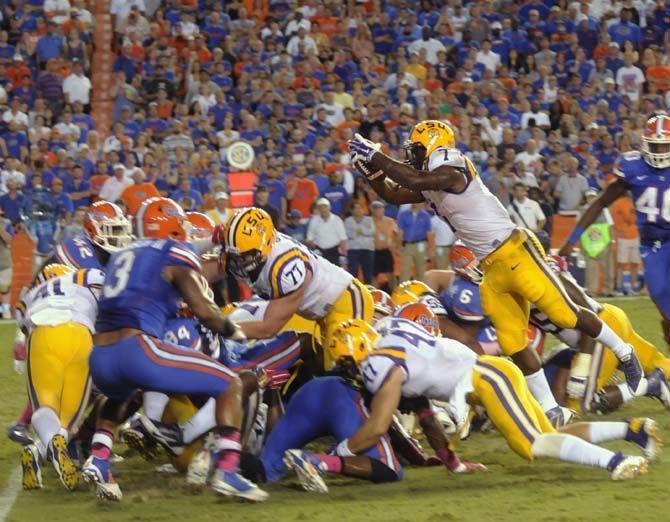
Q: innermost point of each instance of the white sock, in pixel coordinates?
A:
(203, 421)
(154, 404)
(46, 424)
(539, 387)
(569, 448)
(607, 431)
(613, 342)
(625, 392)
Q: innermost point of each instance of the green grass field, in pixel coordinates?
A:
(513, 489)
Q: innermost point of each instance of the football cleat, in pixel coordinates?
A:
(307, 469)
(98, 471)
(199, 468)
(137, 438)
(60, 458)
(658, 387)
(233, 484)
(32, 470)
(20, 433)
(634, 373)
(645, 433)
(169, 436)
(627, 467)
(559, 416)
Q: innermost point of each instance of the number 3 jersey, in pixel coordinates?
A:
(64, 299)
(286, 271)
(651, 193)
(135, 293)
(476, 216)
(433, 367)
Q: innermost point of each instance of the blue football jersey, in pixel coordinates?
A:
(184, 332)
(135, 294)
(463, 303)
(78, 252)
(651, 194)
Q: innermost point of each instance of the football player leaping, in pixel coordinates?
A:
(511, 258)
(647, 175)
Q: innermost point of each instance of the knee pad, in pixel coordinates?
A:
(381, 473)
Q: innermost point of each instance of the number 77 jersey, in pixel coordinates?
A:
(651, 193)
(135, 293)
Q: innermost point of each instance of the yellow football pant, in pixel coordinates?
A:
(515, 275)
(356, 302)
(500, 387)
(649, 356)
(57, 374)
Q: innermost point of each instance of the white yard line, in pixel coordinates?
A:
(9, 494)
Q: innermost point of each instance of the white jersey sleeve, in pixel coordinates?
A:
(375, 369)
(444, 156)
(288, 274)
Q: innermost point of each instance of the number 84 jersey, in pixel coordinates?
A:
(651, 193)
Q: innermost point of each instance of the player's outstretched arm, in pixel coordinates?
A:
(278, 313)
(384, 404)
(612, 192)
(190, 286)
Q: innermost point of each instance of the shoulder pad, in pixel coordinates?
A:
(444, 156)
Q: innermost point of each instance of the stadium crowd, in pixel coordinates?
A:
(545, 96)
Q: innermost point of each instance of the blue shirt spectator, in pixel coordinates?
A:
(414, 223)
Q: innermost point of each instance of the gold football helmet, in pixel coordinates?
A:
(52, 271)
(248, 238)
(424, 138)
(409, 292)
(352, 339)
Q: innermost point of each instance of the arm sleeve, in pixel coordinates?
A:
(183, 254)
(538, 212)
(288, 273)
(375, 370)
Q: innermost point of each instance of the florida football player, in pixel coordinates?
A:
(408, 361)
(143, 285)
(646, 174)
(293, 278)
(511, 258)
(58, 316)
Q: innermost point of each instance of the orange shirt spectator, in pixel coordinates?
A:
(658, 76)
(17, 71)
(97, 181)
(301, 192)
(328, 25)
(623, 215)
(135, 194)
(165, 109)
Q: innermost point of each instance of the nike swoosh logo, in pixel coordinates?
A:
(641, 177)
(515, 266)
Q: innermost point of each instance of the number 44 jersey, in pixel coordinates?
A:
(135, 294)
(651, 194)
(68, 298)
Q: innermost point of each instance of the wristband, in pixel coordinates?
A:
(576, 234)
(342, 449)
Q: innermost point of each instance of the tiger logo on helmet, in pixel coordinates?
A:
(202, 226)
(107, 227)
(247, 241)
(384, 305)
(351, 341)
(161, 218)
(655, 146)
(420, 314)
(424, 138)
(464, 263)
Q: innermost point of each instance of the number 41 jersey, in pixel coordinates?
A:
(651, 194)
(135, 294)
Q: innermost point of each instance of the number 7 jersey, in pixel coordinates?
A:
(135, 293)
(651, 193)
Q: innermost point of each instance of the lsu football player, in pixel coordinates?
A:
(106, 230)
(511, 258)
(143, 286)
(646, 174)
(293, 278)
(408, 361)
(58, 316)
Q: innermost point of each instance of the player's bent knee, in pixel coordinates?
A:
(547, 445)
(381, 473)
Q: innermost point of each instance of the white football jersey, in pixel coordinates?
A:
(253, 309)
(434, 367)
(286, 270)
(68, 298)
(475, 215)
